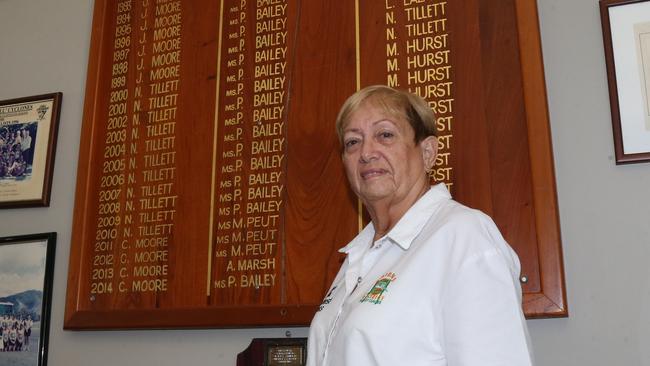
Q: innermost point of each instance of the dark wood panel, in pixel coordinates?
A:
(321, 212)
(508, 137)
(231, 202)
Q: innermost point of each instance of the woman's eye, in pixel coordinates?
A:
(350, 143)
(386, 135)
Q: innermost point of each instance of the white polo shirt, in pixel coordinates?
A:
(441, 288)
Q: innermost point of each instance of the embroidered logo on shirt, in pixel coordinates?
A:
(376, 293)
(327, 300)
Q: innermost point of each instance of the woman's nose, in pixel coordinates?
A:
(368, 151)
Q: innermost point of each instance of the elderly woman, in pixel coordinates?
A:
(428, 281)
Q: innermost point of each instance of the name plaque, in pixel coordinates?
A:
(210, 191)
(274, 352)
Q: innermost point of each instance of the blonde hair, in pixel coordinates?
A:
(396, 103)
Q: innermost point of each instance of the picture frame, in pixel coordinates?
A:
(26, 271)
(28, 131)
(626, 37)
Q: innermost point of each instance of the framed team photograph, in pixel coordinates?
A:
(626, 36)
(28, 129)
(26, 269)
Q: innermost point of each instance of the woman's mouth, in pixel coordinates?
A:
(372, 173)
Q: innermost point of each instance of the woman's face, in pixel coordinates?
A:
(381, 158)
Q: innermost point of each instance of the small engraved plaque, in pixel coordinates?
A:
(274, 352)
(288, 355)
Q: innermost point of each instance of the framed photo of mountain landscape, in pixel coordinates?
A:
(28, 128)
(26, 267)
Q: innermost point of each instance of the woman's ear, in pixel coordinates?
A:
(429, 148)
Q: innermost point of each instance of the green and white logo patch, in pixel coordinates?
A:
(378, 291)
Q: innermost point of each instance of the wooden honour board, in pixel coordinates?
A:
(210, 191)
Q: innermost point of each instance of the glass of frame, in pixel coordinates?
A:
(626, 36)
(26, 268)
(28, 128)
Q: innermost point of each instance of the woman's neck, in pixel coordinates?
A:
(386, 213)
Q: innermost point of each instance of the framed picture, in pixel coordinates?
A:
(626, 34)
(28, 128)
(26, 267)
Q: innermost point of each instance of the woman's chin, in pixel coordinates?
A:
(375, 192)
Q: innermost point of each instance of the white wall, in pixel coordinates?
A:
(604, 208)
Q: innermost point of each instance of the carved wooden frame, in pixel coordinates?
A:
(549, 301)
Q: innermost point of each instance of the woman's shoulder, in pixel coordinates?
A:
(455, 214)
(465, 229)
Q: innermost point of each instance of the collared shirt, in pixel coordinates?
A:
(441, 288)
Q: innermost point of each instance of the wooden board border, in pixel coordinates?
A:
(551, 300)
